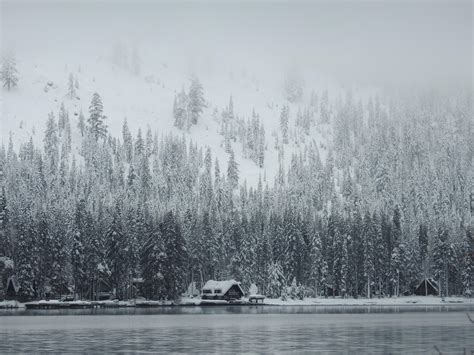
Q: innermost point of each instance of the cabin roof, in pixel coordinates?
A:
(430, 282)
(223, 286)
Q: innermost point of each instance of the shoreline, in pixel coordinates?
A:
(335, 303)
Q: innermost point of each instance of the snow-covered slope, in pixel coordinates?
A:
(146, 99)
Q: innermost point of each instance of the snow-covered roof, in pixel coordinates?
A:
(221, 286)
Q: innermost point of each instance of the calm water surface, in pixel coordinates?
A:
(236, 330)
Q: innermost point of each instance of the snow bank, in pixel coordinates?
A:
(389, 301)
(11, 304)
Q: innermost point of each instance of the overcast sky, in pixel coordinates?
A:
(369, 43)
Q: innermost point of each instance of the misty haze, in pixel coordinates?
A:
(236, 176)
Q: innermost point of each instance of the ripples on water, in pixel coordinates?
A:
(235, 330)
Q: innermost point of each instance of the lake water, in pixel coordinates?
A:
(239, 329)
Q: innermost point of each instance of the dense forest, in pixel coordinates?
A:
(388, 205)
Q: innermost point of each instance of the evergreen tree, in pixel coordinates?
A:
(139, 145)
(96, 118)
(81, 229)
(232, 172)
(153, 261)
(9, 73)
(71, 88)
(51, 146)
(81, 124)
(116, 254)
(176, 256)
(443, 259)
(277, 282)
(127, 141)
(5, 244)
(467, 265)
(368, 236)
(196, 102)
(324, 107)
(180, 113)
(25, 260)
(284, 117)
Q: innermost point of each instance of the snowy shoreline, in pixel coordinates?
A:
(394, 301)
(187, 302)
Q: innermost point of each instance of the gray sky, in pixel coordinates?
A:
(368, 43)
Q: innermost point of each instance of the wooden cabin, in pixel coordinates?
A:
(60, 291)
(6, 270)
(100, 290)
(228, 290)
(12, 289)
(427, 287)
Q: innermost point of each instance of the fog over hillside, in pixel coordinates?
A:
(321, 148)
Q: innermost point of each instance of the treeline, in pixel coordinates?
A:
(388, 206)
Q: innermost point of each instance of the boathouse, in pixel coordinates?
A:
(227, 290)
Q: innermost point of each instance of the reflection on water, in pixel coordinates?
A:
(239, 309)
(235, 329)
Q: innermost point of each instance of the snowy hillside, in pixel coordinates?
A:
(145, 99)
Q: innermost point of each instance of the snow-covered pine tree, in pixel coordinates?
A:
(180, 113)
(467, 263)
(96, 117)
(71, 88)
(81, 124)
(145, 177)
(127, 141)
(63, 117)
(324, 107)
(9, 73)
(148, 142)
(176, 256)
(78, 257)
(115, 244)
(293, 289)
(153, 259)
(284, 117)
(196, 102)
(26, 258)
(395, 253)
(5, 245)
(51, 147)
(293, 87)
(139, 145)
(276, 282)
(57, 230)
(232, 172)
(368, 237)
(443, 259)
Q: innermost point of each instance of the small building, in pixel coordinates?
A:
(427, 287)
(6, 270)
(227, 290)
(135, 289)
(12, 288)
(100, 290)
(59, 291)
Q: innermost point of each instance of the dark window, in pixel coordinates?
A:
(206, 291)
(217, 290)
